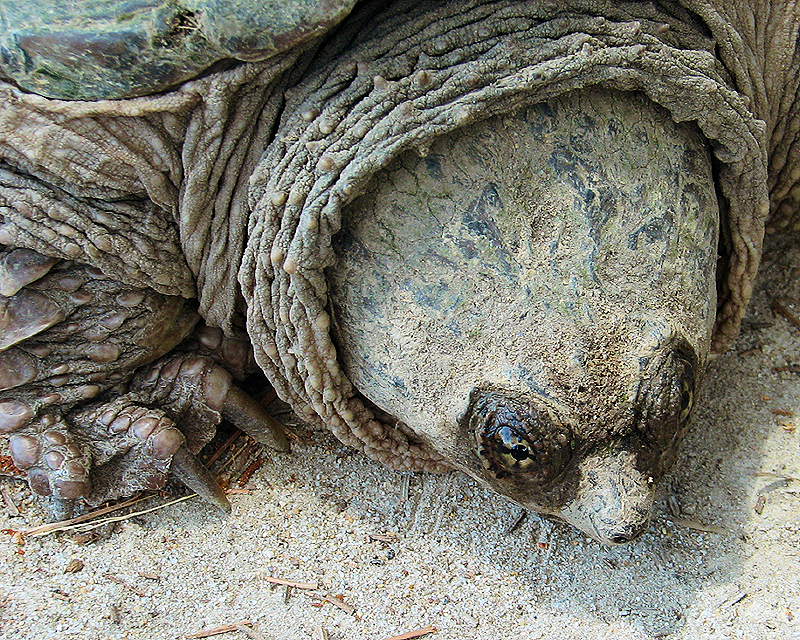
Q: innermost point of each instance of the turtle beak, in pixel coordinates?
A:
(614, 500)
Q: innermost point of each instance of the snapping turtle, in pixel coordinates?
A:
(498, 236)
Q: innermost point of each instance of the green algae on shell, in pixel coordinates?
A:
(125, 48)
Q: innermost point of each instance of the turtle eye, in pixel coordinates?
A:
(512, 450)
(686, 400)
(666, 397)
(515, 439)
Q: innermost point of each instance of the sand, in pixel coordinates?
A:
(405, 552)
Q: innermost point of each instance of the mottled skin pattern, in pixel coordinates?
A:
(146, 241)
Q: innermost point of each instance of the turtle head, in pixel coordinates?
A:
(536, 298)
(598, 471)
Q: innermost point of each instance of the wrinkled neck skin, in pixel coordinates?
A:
(535, 298)
(758, 42)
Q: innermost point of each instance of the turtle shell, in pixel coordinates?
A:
(126, 48)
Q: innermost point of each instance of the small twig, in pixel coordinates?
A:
(7, 468)
(61, 594)
(749, 352)
(698, 526)
(404, 487)
(780, 483)
(789, 368)
(57, 526)
(320, 634)
(234, 456)
(114, 578)
(736, 598)
(414, 634)
(65, 525)
(251, 469)
(240, 464)
(779, 306)
(388, 538)
(250, 633)
(226, 628)
(521, 517)
(289, 583)
(337, 602)
(771, 474)
(223, 449)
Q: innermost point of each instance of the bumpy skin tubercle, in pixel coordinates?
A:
(74, 333)
(400, 78)
(121, 222)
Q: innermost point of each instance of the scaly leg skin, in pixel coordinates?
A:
(92, 406)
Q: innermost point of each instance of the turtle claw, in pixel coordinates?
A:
(187, 468)
(170, 412)
(244, 412)
(198, 392)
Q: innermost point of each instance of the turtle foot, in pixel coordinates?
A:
(53, 458)
(101, 395)
(132, 443)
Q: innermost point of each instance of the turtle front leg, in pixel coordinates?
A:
(94, 398)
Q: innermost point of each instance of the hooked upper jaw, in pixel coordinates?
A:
(614, 500)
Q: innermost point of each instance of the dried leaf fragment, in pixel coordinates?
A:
(74, 565)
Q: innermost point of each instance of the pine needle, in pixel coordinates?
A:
(89, 521)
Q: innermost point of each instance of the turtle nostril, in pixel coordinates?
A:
(628, 534)
(614, 498)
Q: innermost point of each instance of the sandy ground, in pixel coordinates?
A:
(448, 554)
